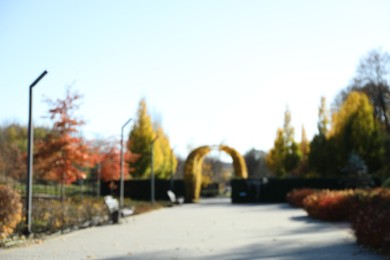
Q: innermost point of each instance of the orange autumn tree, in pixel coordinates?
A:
(107, 155)
(110, 164)
(62, 155)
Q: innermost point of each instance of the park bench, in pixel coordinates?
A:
(114, 210)
(174, 200)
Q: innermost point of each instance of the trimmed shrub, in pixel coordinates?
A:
(50, 215)
(370, 219)
(329, 205)
(10, 211)
(296, 196)
(368, 210)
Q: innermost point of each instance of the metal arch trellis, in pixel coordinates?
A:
(193, 168)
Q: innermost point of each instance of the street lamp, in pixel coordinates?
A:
(30, 157)
(152, 195)
(172, 170)
(121, 168)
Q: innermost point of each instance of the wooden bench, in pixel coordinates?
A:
(174, 200)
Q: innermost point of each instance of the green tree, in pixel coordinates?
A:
(16, 135)
(13, 140)
(322, 158)
(292, 156)
(276, 156)
(385, 171)
(355, 130)
(13, 149)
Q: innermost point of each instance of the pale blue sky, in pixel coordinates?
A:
(214, 71)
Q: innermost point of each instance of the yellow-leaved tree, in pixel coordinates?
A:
(356, 131)
(141, 137)
(165, 159)
(284, 157)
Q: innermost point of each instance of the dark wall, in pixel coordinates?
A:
(272, 190)
(265, 190)
(141, 189)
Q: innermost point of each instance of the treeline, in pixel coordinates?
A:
(353, 138)
(62, 156)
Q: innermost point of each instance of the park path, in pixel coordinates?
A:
(213, 229)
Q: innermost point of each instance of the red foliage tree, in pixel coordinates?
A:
(108, 156)
(61, 156)
(110, 164)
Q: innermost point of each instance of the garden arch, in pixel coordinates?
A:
(193, 169)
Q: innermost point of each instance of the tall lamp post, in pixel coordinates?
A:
(30, 157)
(172, 170)
(152, 195)
(122, 188)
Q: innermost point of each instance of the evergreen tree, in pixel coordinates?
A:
(276, 157)
(322, 159)
(356, 130)
(323, 118)
(292, 156)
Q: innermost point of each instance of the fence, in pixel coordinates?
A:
(273, 190)
(42, 188)
(141, 189)
(264, 190)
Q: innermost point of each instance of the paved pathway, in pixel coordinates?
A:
(213, 229)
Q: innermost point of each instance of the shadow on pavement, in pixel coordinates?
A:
(285, 244)
(257, 251)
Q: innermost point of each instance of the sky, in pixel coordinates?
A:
(211, 72)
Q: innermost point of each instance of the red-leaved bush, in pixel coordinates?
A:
(370, 218)
(368, 211)
(296, 196)
(328, 205)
